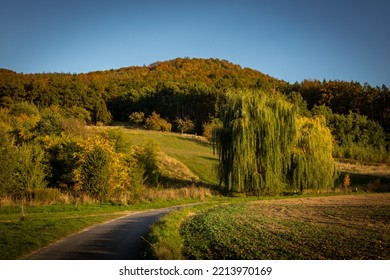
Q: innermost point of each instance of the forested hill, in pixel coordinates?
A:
(180, 88)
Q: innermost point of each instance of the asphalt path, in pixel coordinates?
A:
(119, 239)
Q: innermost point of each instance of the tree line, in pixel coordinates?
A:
(194, 90)
(270, 135)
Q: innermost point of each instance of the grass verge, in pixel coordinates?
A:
(164, 241)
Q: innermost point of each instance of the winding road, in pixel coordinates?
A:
(119, 239)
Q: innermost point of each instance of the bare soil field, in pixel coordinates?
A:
(354, 210)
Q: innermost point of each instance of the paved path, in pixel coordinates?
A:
(119, 239)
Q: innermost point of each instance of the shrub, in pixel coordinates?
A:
(155, 122)
(45, 196)
(137, 119)
(93, 172)
(77, 113)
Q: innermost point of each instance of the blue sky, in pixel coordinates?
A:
(290, 40)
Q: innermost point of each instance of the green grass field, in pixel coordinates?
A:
(196, 154)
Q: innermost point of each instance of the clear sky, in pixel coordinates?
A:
(290, 40)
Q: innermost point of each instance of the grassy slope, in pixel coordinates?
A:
(197, 155)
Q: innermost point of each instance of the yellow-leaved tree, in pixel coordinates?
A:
(101, 170)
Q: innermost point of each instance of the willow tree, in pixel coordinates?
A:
(312, 166)
(262, 146)
(254, 143)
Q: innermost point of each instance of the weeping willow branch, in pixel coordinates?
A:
(313, 166)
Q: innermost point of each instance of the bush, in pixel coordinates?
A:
(103, 173)
(77, 113)
(45, 196)
(356, 137)
(155, 122)
(137, 119)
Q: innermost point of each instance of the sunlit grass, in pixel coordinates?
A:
(196, 154)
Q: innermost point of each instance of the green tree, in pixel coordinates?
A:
(8, 154)
(184, 125)
(95, 173)
(118, 139)
(254, 143)
(264, 147)
(299, 103)
(30, 169)
(63, 157)
(50, 122)
(100, 113)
